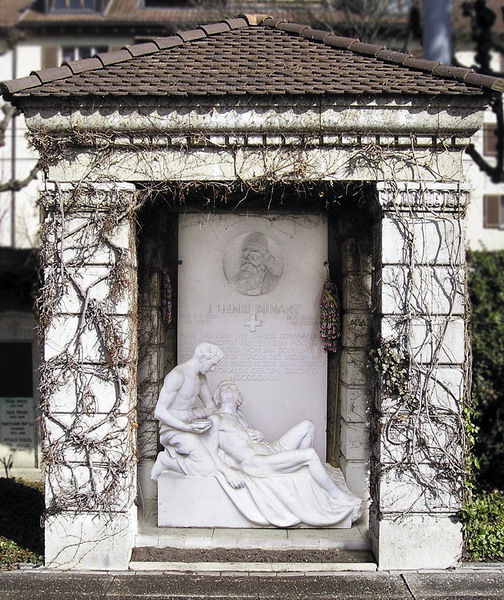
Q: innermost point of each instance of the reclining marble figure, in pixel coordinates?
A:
(284, 480)
(279, 483)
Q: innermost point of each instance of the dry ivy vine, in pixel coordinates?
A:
(419, 422)
(422, 433)
(87, 454)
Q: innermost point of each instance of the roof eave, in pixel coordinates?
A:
(454, 115)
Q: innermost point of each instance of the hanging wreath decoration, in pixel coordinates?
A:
(330, 320)
(166, 298)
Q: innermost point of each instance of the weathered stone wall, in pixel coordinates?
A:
(88, 376)
(355, 379)
(421, 368)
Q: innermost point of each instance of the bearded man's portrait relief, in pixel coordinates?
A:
(252, 264)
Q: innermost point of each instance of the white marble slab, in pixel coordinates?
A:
(270, 337)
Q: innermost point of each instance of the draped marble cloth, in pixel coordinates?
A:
(289, 499)
(286, 499)
(282, 500)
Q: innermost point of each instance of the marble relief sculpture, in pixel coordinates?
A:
(280, 483)
(258, 271)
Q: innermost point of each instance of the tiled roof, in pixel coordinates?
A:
(12, 10)
(252, 55)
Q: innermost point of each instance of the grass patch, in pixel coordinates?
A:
(13, 556)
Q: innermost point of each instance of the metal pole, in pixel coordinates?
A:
(437, 30)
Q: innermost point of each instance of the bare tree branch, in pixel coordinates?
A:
(14, 185)
(9, 112)
(482, 21)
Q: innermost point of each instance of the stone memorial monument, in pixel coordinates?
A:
(281, 483)
(237, 203)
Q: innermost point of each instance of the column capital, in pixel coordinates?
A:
(422, 197)
(86, 195)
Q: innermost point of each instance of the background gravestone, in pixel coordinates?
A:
(17, 410)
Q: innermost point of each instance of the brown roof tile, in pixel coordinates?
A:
(169, 42)
(194, 34)
(114, 57)
(214, 28)
(141, 49)
(23, 83)
(235, 58)
(236, 23)
(86, 64)
(12, 10)
(54, 73)
(338, 41)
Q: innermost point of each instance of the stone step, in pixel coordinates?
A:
(250, 560)
(312, 568)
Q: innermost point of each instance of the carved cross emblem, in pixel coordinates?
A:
(253, 323)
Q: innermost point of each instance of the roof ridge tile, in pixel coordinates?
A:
(393, 56)
(494, 83)
(18, 85)
(54, 73)
(272, 22)
(163, 43)
(191, 34)
(292, 27)
(452, 72)
(113, 57)
(142, 49)
(363, 48)
(317, 35)
(421, 63)
(237, 22)
(338, 41)
(255, 18)
(79, 66)
(214, 28)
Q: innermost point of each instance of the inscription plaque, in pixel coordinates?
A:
(17, 431)
(266, 320)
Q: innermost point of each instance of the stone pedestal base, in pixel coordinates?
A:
(185, 501)
(417, 542)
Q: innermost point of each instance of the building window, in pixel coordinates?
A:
(162, 3)
(398, 6)
(493, 211)
(76, 5)
(489, 139)
(378, 9)
(69, 53)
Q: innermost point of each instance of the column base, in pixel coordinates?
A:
(90, 541)
(417, 542)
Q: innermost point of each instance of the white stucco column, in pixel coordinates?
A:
(421, 368)
(88, 374)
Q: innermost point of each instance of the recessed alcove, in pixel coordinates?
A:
(345, 216)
